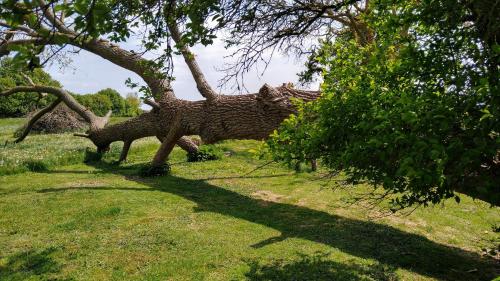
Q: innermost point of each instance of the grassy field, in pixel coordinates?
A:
(61, 219)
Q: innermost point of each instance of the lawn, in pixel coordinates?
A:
(61, 219)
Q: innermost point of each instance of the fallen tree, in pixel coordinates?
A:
(251, 116)
(217, 117)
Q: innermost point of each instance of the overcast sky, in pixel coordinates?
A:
(89, 73)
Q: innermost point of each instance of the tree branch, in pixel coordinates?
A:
(6, 45)
(28, 79)
(168, 143)
(22, 28)
(201, 83)
(81, 135)
(50, 15)
(125, 149)
(95, 122)
(151, 103)
(35, 118)
(146, 69)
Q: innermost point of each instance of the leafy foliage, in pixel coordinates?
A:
(117, 21)
(99, 104)
(132, 105)
(22, 103)
(148, 170)
(118, 103)
(108, 99)
(205, 153)
(416, 111)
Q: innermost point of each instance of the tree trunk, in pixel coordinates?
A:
(125, 149)
(168, 143)
(252, 116)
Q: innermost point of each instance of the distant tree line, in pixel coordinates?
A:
(109, 99)
(23, 103)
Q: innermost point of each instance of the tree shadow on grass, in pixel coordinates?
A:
(27, 264)
(369, 240)
(317, 267)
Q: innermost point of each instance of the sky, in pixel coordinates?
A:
(89, 73)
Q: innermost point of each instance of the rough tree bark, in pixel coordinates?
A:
(251, 116)
(218, 117)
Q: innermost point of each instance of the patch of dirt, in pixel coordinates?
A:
(302, 202)
(268, 196)
(85, 183)
(407, 221)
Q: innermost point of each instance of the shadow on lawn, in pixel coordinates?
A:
(385, 244)
(319, 268)
(25, 265)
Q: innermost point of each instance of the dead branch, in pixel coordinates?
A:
(95, 122)
(151, 103)
(35, 118)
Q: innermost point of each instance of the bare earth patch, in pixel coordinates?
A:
(268, 196)
(83, 183)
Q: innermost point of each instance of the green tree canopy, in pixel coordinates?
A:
(22, 103)
(118, 102)
(109, 99)
(415, 111)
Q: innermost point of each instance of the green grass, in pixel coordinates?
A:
(216, 221)
(42, 152)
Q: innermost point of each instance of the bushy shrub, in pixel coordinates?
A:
(132, 105)
(36, 165)
(151, 171)
(416, 112)
(205, 153)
